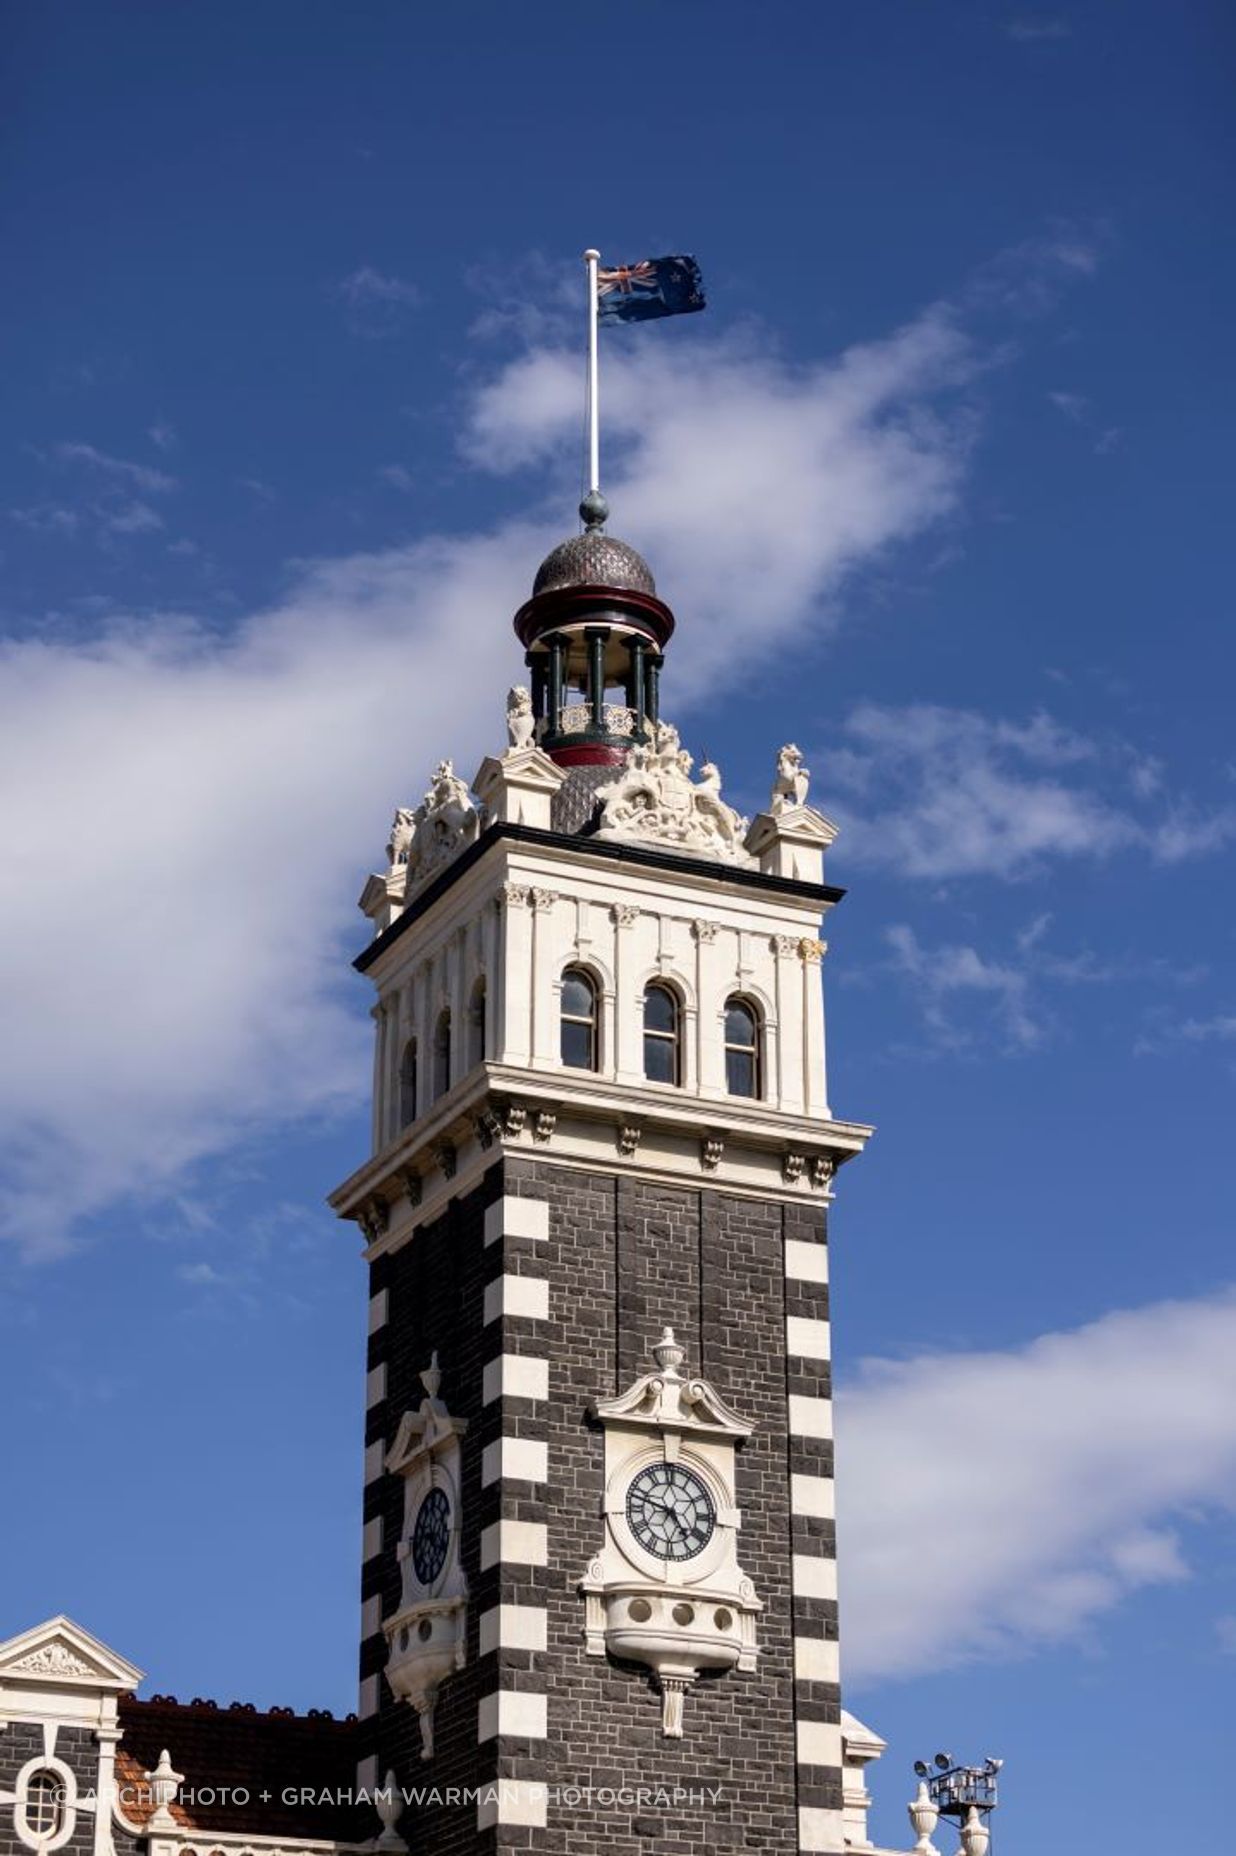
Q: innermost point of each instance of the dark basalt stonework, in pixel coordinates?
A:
(594, 559)
(623, 1256)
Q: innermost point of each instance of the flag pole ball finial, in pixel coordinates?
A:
(594, 510)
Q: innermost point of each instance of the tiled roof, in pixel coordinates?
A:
(243, 1770)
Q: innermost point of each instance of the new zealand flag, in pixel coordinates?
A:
(655, 287)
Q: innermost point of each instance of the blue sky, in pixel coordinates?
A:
(937, 488)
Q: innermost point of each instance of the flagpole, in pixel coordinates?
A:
(592, 259)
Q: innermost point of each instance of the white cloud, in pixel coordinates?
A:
(936, 792)
(143, 476)
(134, 518)
(191, 816)
(989, 1503)
(1038, 29)
(200, 1275)
(367, 285)
(376, 303)
(163, 435)
(940, 975)
(47, 519)
(755, 486)
(1074, 406)
(397, 477)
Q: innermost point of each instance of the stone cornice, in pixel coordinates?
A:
(576, 1119)
(585, 849)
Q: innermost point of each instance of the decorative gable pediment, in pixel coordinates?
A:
(423, 1432)
(666, 1401)
(61, 1651)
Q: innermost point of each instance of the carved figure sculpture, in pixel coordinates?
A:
(792, 781)
(654, 798)
(520, 721)
(445, 823)
(402, 832)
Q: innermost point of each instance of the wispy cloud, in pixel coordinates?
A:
(942, 793)
(110, 506)
(1037, 29)
(143, 476)
(1166, 1033)
(376, 303)
(47, 519)
(134, 518)
(1074, 406)
(971, 1000)
(992, 1502)
(163, 435)
(221, 756)
(396, 477)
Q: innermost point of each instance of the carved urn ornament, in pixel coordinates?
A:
(666, 1588)
(427, 1637)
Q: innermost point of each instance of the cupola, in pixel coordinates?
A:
(594, 632)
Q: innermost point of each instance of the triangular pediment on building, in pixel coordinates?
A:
(61, 1651)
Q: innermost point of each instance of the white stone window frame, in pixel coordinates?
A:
(45, 1762)
(602, 1018)
(681, 1040)
(762, 1009)
(672, 980)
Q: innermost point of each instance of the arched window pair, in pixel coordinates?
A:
(441, 1073)
(580, 1044)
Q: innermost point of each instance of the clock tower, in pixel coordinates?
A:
(598, 1584)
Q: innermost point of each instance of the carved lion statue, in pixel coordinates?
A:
(520, 721)
(792, 780)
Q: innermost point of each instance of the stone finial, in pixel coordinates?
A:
(164, 1783)
(668, 1353)
(924, 1816)
(431, 1378)
(389, 1805)
(975, 1835)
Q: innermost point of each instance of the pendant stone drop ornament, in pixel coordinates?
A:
(427, 1637)
(666, 1589)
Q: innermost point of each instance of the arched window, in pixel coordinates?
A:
(442, 1055)
(476, 1024)
(44, 1805)
(407, 1084)
(742, 1049)
(579, 1019)
(662, 1035)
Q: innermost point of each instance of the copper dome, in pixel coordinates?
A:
(594, 559)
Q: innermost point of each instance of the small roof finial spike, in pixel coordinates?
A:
(594, 512)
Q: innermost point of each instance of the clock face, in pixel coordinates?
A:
(670, 1511)
(431, 1536)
